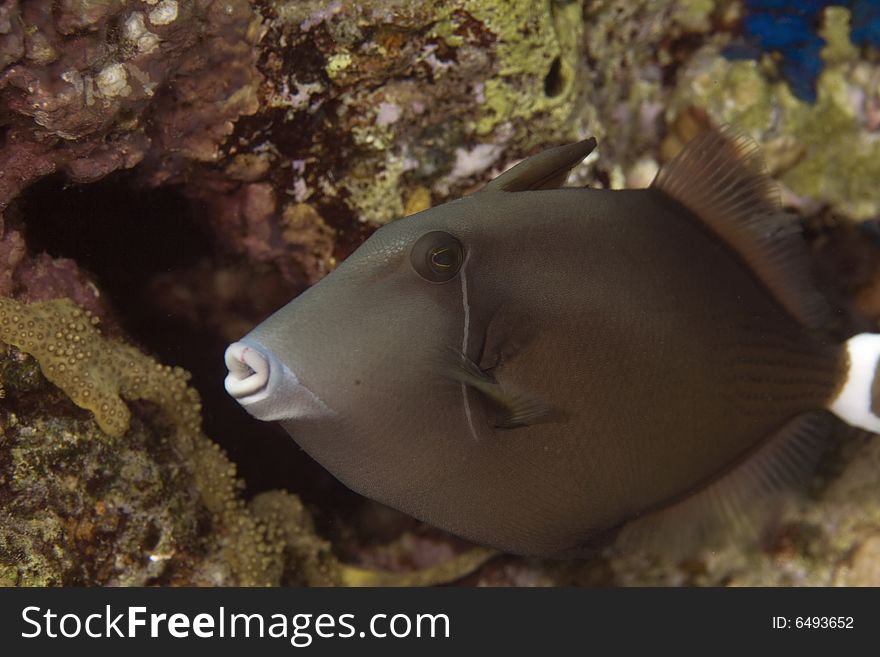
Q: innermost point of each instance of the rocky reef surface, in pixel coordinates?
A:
(172, 172)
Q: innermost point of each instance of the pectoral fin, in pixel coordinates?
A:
(515, 408)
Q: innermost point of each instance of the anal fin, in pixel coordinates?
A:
(739, 502)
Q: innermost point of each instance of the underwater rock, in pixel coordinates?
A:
(824, 153)
(131, 494)
(793, 31)
(363, 108)
(94, 87)
(41, 277)
(83, 507)
(134, 494)
(789, 29)
(362, 111)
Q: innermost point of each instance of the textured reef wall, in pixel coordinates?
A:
(130, 492)
(176, 170)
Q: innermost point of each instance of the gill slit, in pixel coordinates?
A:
(465, 332)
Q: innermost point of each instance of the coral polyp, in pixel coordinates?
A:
(95, 372)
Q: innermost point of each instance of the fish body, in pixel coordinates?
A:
(532, 367)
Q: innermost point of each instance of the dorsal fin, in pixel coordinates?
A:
(739, 501)
(720, 177)
(546, 170)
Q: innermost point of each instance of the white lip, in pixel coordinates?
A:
(266, 387)
(248, 371)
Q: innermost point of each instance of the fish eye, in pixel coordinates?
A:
(437, 256)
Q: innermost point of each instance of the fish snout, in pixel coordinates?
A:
(266, 387)
(249, 371)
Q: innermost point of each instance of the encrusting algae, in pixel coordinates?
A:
(96, 373)
(93, 371)
(128, 499)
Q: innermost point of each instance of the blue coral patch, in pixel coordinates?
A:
(790, 30)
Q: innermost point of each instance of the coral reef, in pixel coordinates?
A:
(123, 504)
(823, 152)
(354, 111)
(84, 507)
(85, 91)
(791, 30)
(40, 277)
(95, 372)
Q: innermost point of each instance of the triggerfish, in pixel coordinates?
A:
(534, 367)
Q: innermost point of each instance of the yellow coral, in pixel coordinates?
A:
(96, 373)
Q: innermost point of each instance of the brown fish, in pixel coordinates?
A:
(533, 367)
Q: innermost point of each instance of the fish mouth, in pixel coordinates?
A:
(266, 387)
(248, 369)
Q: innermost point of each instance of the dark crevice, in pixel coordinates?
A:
(126, 236)
(554, 82)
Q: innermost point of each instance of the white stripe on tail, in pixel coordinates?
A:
(853, 404)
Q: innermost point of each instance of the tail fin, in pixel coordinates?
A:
(858, 401)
